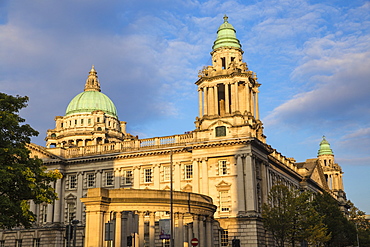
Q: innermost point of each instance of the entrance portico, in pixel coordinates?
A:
(139, 211)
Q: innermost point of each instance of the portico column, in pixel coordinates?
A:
(118, 233)
(141, 229)
(57, 203)
(196, 226)
(152, 229)
(209, 231)
(124, 231)
(106, 220)
(202, 232)
(190, 233)
(180, 235)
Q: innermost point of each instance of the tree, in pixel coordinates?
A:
(22, 178)
(343, 232)
(362, 224)
(291, 218)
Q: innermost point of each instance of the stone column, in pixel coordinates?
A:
(124, 231)
(196, 226)
(247, 97)
(205, 100)
(180, 235)
(118, 232)
(202, 232)
(57, 203)
(236, 96)
(227, 99)
(190, 233)
(211, 101)
(79, 195)
(200, 100)
(216, 104)
(152, 229)
(141, 229)
(209, 231)
(239, 189)
(204, 176)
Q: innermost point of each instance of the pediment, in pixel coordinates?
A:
(223, 184)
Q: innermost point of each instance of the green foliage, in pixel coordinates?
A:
(362, 224)
(21, 178)
(292, 219)
(343, 232)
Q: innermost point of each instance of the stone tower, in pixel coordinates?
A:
(332, 171)
(228, 92)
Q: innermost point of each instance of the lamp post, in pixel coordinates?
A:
(171, 201)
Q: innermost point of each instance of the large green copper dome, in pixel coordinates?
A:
(325, 147)
(91, 99)
(226, 36)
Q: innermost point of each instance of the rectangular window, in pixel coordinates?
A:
(72, 181)
(224, 201)
(188, 169)
(44, 213)
(82, 121)
(224, 237)
(2, 243)
(127, 177)
(36, 242)
(222, 167)
(220, 131)
(90, 180)
(165, 242)
(166, 173)
(75, 121)
(89, 121)
(71, 213)
(148, 175)
(109, 178)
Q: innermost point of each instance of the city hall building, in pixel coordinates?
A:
(213, 180)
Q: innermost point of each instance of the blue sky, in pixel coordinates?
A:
(311, 57)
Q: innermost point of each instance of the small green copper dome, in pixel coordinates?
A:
(325, 147)
(226, 36)
(91, 99)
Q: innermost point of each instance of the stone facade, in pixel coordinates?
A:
(225, 159)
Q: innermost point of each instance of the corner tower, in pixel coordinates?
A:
(332, 171)
(228, 92)
(90, 119)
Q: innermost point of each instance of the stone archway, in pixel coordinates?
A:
(193, 215)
